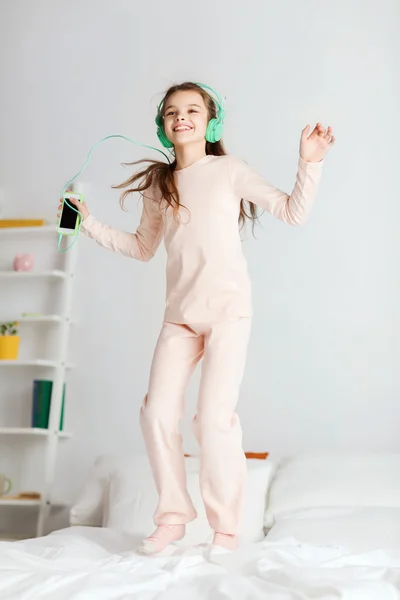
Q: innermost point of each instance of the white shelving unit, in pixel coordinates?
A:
(56, 366)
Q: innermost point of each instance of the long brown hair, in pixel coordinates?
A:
(162, 174)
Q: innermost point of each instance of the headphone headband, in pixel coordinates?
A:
(218, 100)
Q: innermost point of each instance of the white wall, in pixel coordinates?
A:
(322, 369)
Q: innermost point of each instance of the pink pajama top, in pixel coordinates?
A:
(207, 277)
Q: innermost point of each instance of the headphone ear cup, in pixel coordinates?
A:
(210, 131)
(214, 131)
(163, 138)
(218, 130)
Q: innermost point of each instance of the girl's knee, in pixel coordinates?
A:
(153, 415)
(208, 421)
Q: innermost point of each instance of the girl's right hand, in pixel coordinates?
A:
(83, 209)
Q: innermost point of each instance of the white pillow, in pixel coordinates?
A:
(133, 499)
(89, 507)
(336, 480)
(360, 529)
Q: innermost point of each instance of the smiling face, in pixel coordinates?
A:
(185, 118)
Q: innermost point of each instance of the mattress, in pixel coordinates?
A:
(88, 563)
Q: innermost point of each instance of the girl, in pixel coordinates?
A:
(197, 204)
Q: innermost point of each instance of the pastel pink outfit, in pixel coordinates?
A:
(208, 315)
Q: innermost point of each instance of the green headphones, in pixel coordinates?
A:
(215, 126)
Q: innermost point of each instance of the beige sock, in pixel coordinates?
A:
(161, 537)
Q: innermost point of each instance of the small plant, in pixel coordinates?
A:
(9, 328)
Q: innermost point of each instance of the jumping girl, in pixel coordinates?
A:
(197, 204)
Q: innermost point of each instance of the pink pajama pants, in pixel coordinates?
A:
(223, 347)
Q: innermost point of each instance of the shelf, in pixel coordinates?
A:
(37, 319)
(33, 363)
(24, 503)
(45, 319)
(55, 274)
(33, 431)
(8, 231)
(5, 502)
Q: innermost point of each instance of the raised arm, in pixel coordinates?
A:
(291, 208)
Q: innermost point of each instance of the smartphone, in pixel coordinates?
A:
(69, 218)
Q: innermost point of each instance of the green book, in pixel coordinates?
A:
(41, 401)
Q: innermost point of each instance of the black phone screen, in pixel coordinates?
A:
(68, 217)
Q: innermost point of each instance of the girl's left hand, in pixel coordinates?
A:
(315, 146)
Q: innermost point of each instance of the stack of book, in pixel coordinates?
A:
(42, 389)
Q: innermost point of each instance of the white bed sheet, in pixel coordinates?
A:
(86, 563)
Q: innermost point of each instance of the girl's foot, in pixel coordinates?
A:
(225, 541)
(162, 536)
